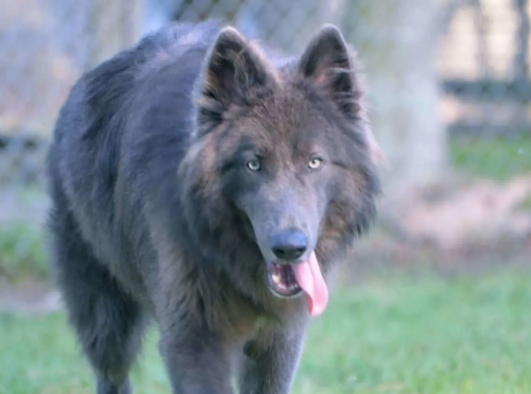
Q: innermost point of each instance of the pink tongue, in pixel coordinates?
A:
(311, 280)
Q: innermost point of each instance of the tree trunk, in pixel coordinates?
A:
(397, 42)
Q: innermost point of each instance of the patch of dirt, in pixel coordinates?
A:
(479, 212)
(29, 297)
(456, 226)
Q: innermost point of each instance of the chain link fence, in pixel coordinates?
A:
(449, 89)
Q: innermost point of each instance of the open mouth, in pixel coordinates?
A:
(291, 280)
(282, 280)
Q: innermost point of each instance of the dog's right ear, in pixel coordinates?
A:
(233, 69)
(329, 64)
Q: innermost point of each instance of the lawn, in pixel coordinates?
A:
(497, 158)
(396, 335)
(22, 252)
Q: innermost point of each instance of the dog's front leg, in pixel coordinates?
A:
(271, 363)
(195, 361)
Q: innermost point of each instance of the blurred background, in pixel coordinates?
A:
(443, 271)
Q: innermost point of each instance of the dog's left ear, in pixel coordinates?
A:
(327, 63)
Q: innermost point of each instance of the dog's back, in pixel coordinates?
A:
(84, 159)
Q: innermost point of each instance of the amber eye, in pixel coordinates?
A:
(254, 165)
(315, 163)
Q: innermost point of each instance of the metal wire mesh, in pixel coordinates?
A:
(449, 89)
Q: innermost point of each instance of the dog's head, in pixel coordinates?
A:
(281, 174)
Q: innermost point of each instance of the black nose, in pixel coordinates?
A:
(289, 244)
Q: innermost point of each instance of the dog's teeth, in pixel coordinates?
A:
(282, 283)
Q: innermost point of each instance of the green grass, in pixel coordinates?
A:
(429, 335)
(493, 158)
(22, 252)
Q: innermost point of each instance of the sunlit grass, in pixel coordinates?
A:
(467, 335)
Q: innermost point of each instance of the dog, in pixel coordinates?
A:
(207, 183)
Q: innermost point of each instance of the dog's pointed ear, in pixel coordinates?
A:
(327, 62)
(233, 68)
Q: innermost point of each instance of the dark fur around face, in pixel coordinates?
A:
(248, 107)
(173, 166)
